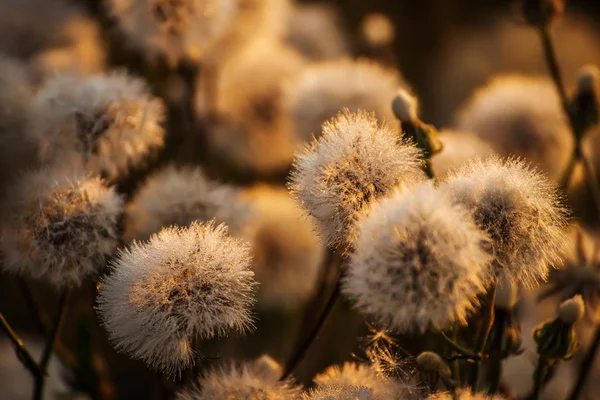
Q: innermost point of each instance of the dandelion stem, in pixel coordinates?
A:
(496, 368)
(50, 341)
(455, 364)
(538, 378)
(586, 366)
(305, 344)
(486, 326)
(22, 352)
(455, 346)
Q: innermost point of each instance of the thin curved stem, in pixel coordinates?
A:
(486, 327)
(23, 354)
(463, 351)
(538, 378)
(304, 345)
(50, 341)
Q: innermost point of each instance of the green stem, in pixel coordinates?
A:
(49, 345)
(22, 352)
(455, 346)
(486, 327)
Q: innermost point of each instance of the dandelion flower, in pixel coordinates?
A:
(521, 116)
(465, 394)
(323, 90)
(459, 148)
(355, 161)
(248, 381)
(59, 227)
(182, 285)
(287, 253)
(341, 392)
(252, 131)
(418, 261)
(360, 375)
(180, 30)
(179, 196)
(106, 123)
(521, 211)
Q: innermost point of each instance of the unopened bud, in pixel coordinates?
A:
(405, 106)
(572, 310)
(431, 363)
(587, 81)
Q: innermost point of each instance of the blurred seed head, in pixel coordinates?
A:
(252, 132)
(340, 392)
(356, 161)
(465, 394)
(287, 253)
(521, 116)
(324, 89)
(378, 30)
(179, 196)
(458, 149)
(183, 285)
(179, 30)
(572, 310)
(418, 260)
(315, 30)
(360, 375)
(247, 381)
(107, 124)
(521, 211)
(59, 226)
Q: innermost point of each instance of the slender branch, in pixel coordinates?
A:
(455, 346)
(22, 352)
(455, 364)
(586, 366)
(538, 378)
(496, 368)
(50, 341)
(305, 345)
(486, 327)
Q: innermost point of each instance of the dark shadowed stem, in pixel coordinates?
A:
(50, 341)
(486, 326)
(592, 180)
(565, 179)
(455, 346)
(538, 378)
(496, 361)
(455, 364)
(22, 352)
(586, 366)
(42, 321)
(302, 347)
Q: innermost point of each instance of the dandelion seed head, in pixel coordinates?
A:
(180, 30)
(182, 285)
(179, 196)
(341, 392)
(465, 394)
(107, 124)
(520, 210)
(523, 117)
(360, 375)
(59, 226)
(287, 253)
(247, 381)
(571, 310)
(417, 261)
(324, 89)
(355, 161)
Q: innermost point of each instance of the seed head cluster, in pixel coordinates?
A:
(520, 210)
(356, 161)
(62, 227)
(182, 285)
(106, 124)
(418, 260)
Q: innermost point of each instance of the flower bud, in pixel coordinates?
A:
(572, 310)
(431, 365)
(405, 106)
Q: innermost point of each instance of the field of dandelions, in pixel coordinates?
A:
(289, 200)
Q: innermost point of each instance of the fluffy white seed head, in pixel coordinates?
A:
(418, 260)
(458, 149)
(523, 117)
(520, 210)
(182, 30)
(252, 132)
(465, 394)
(571, 310)
(355, 161)
(58, 226)
(183, 285)
(179, 196)
(341, 392)
(247, 381)
(360, 375)
(106, 124)
(323, 90)
(287, 252)
(405, 106)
